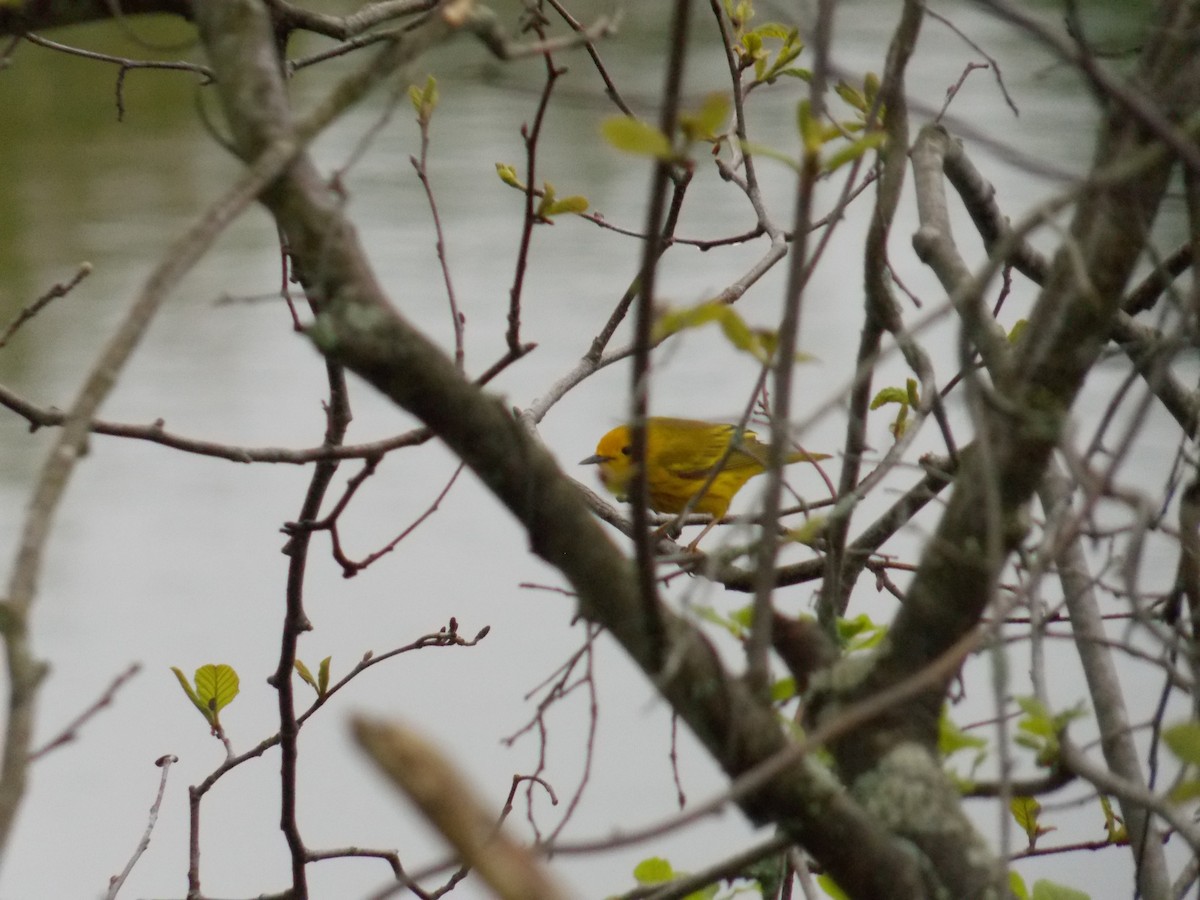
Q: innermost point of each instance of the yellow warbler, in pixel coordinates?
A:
(681, 455)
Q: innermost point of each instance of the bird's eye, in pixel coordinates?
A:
(627, 450)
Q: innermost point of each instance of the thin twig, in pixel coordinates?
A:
(60, 289)
(71, 731)
(117, 881)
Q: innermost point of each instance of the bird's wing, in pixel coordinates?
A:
(695, 458)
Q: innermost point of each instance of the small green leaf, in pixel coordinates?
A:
(187, 689)
(871, 87)
(633, 136)
(889, 395)
(1017, 330)
(1184, 741)
(793, 72)
(914, 392)
(1016, 884)
(323, 676)
(752, 149)
(810, 532)
(759, 344)
(508, 174)
(860, 633)
(852, 96)
(829, 886)
(773, 30)
(1184, 792)
(1038, 729)
(849, 628)
(952, 739)
(424, 100)
(809, 128)
(548, 196)
(1113, 824)
(1048, 890)
(216, 685)
(573, 204)
(743, 616)
(708, 614)
(1025, 811)
(1032, 707)
(853, 151)
(783, 690)
(654, 870)
(703, 124)
(789, 49)
(306, 676)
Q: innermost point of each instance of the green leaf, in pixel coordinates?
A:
(809, 128)
(1038, 729)
(852, 96)
(787, 159)
(829, 886)
(808, 533)
(703, 124)
(573, 204)
(633, 136)
(323, 676)
(216, 686)
(1033, 708)
(1017, 330)
(306, 676)
(508, 174)
(757, 343)
(424, 100)
(1025, 811)
(1016, 884)
(914, 392)
(871, 87)
(1048, 890)
(860, 633)
(854, 150)
(743, 616)
(849, 628)
(952, 739)
(790, 48)
(783, 690)
(890, 395)
(654, 870)
(905, 397)
(773, 30)
(187, 689)
(739, 13)
(549, 194)
(708, 614)
(1184, 741)
(792, 72)
(1113, 824)
(1184, 792)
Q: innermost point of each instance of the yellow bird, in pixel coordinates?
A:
(681, 455)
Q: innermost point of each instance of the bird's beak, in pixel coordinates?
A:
(594, 460)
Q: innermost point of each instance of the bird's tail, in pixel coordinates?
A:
(803, 455)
